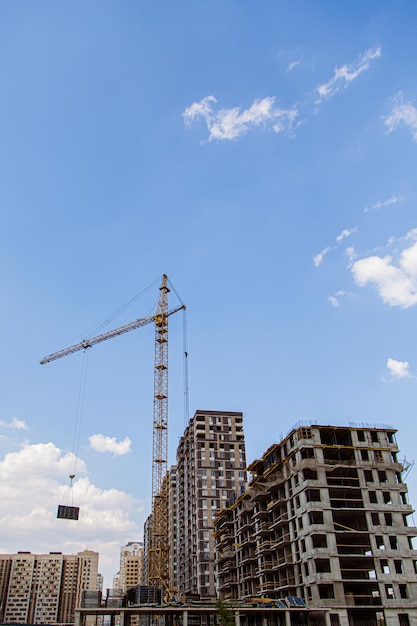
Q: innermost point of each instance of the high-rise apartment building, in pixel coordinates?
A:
(210, 475)
(324, 521)
(131, 565)
(44, 588)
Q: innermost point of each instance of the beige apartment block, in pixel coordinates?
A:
(325, 519)
(210, 474)
(44, 588)
(131, 565)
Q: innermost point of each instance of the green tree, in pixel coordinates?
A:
(224, 613)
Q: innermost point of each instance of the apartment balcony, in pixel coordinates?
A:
(245, 523)
(262, 529)
(264, 568)
(246, 541)
(224, 555)
(260, 514)
(283, 540)
(283, 561)
(225, 565)
(266, 587)
(265, 546)
(247, 558)
(274, 504)
(279, 520)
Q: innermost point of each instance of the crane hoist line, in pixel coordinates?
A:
(158, 574)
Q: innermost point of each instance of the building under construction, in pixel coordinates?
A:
(324, 523)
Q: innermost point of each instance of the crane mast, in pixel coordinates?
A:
(158, 569)
(158, 575)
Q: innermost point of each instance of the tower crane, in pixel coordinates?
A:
(158, 574)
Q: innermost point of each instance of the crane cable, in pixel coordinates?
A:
(185, 374)
(185, 351)
(94, 330)
(78, 422)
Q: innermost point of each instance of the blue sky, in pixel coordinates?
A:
(263, 155)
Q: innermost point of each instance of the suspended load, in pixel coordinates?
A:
(68, 512)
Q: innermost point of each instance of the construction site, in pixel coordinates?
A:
(318, 531)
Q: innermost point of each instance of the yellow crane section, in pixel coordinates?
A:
(158, 574)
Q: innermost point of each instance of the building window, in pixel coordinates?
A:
(403, 619)
(361, 435)
(319, 541)
(384, 566)
(378, 456)
(322, 565)
(307, 453)
(313, 495)
(382, 476)
(403, 591)
(393, 542)
(387, 497)
(309, 474)
(399, 567)
(326, 591)
(375, 519)
(389, 592)
(368, 476)
(388, 519)
(379, 542)
(372, 497)
(365, 455)
(316, 517)
(304, 433)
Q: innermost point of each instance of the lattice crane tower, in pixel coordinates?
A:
(158, 573)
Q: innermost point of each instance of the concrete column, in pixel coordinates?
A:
(77, 618)
(185, 618)
(237, 618)
(287, 618)
(121, 618)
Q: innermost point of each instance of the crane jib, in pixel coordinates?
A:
(89, 343)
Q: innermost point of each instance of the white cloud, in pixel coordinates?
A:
(335, 298)
(14, 423)
(291, 66)
(345, 233)
(398, 369)
(319, 257)
(34, 480)
(402, 113)
(351, 253)
(345, 74)
(233, 123)
(379, 204)
(395, 279)
(102, 443)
